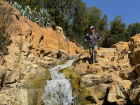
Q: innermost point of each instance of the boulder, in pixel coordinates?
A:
(94, 95)
(127, 74)
(135, 57)
(100, 90)
(81, 68)
(134, 40)
(119, 92)
(92, 80)
(134, 96)
(120, 46)
(134, 45)
(95, 69)
(12, 77)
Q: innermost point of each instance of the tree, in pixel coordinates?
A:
(118, 30)
(79, 20)
(60, 11)
(103, 25)
(94, 17)
(133, 29)
(34, 4)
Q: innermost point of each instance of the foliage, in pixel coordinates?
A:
(34, 4)
(133, 29)
(60, 11)
(80, 21)
(118, 30)
(5, 19)
(41, 18)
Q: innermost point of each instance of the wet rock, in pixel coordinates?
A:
(93, 95)
(60, 61)
(81, 68)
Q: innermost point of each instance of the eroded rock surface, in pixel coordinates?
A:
(23, 72)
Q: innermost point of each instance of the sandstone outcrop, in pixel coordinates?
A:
(23, 72)
(29, 38)
(112, 80)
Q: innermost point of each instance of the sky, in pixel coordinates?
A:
(128, 9)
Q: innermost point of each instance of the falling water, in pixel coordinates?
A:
(58, 90)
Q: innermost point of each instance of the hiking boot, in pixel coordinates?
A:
(96, 61)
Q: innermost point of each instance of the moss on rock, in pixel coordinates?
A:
(35, 87)
(60, 61)
(84, 98)
(69, 74)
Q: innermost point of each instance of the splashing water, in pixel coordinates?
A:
(58, 90)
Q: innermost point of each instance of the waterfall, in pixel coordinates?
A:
(58, 91)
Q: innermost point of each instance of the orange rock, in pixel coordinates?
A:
(39, 38)
(121, 46)
(134, 40)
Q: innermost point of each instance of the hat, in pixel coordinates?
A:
(92, 27)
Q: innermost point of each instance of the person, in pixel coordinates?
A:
(92, 39)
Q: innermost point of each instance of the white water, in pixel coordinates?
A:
(58, 90)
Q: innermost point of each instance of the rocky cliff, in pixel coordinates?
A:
(23, 72)
(114, 80)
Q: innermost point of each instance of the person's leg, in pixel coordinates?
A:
(91, 54)
(95, 54)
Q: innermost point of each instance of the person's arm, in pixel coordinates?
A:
(85, 37)
(98, 37)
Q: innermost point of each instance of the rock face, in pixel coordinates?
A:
(30, 38)
(134, 45)
(114, 80)
(23, 72)
(119, 92)
(25, 84)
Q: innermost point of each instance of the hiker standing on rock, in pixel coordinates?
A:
(92, 39)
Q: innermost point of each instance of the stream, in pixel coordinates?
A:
(58, 91)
